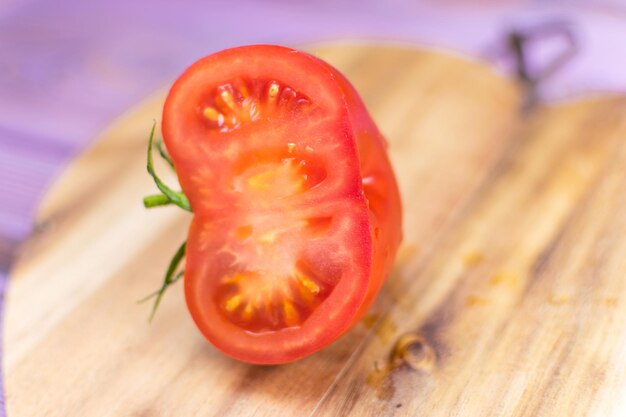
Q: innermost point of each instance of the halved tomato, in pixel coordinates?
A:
(296, 209)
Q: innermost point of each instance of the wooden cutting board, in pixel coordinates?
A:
(508, 297)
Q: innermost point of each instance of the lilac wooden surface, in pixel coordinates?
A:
(68, 67)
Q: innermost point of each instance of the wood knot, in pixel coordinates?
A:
(413, 350)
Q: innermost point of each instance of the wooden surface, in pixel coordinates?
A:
(507, 298)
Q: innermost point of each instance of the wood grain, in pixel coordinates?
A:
(506, 298)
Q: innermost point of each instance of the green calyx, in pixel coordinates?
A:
(173, 197)
(170, 278)
(167, 196)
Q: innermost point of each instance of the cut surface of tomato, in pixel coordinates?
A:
(296, 209)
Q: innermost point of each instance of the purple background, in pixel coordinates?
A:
(68, 67)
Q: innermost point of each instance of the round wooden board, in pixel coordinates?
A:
(509, 282)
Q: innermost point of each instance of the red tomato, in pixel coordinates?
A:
(296, 208)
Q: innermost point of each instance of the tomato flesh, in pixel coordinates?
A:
(296, 210)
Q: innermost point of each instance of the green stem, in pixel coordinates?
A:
(156, 200)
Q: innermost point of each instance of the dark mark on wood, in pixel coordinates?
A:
(413, 351)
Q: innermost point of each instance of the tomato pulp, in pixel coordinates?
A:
(297, 213)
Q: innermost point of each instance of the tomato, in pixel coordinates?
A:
(296, 209)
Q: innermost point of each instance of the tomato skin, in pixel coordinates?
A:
(358, 192)
(381, 191)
